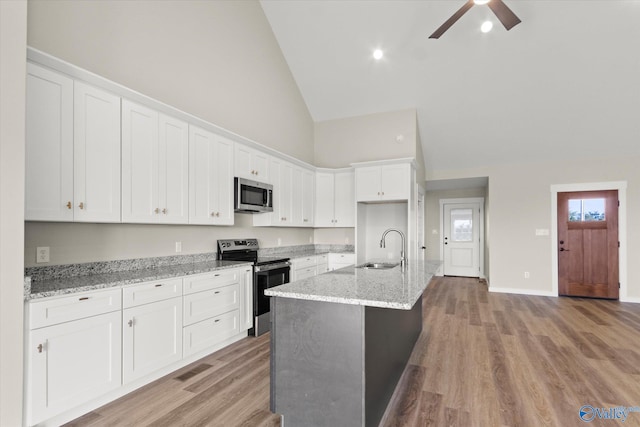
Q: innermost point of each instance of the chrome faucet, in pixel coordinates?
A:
(403, 260)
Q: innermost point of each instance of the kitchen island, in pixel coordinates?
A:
(340, 342)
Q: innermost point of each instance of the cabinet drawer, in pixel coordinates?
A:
(305, 262)
(322, 259)
(208, 333)
(205, 282)
(322, 268)
(342, 259)
(148, 292)
(203, 305)
(305, 273)
(77, 306)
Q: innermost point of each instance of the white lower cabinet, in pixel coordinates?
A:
(81, 347)
(151, 337)
(337, 261)
(72, 363)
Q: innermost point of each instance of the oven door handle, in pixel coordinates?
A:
(269, 267)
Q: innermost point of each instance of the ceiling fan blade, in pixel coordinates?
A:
(504, 14)
(449, 22)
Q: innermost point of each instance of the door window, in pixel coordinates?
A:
(462, 225)
(581, 210)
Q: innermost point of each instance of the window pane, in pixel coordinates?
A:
(462, 225)
(593, 209)
(586, 210)
(575, 210)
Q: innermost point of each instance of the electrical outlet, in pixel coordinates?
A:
(178, 246)
(526, 275)
(42, 254)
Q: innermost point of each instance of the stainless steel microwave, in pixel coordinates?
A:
(252, 196)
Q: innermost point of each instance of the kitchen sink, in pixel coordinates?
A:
(377, 265)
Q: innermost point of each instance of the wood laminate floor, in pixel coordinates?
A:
(482, 360)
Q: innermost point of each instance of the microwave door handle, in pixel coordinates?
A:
(269, 198)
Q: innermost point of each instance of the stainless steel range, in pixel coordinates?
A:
(268, 271)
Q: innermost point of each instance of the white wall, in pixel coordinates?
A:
(338, 143)
(217, 60)
(521, 203)
(13, 32)
(373, 220)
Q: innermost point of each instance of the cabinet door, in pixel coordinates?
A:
(297, 197)
(139, 163)
(395, 182)
(344, 200)
(246, 299)
(151, 338)
(242, 162)
(286, 193)
(49, 146)
(173, 171)
(368, 184)
(260, 164)
(96, 145)
(72, 363)
(223, 182)
(324, 200)
(308, 196)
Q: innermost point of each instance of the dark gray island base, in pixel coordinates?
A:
(338, 363)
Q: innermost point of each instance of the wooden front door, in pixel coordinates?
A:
(588, 244)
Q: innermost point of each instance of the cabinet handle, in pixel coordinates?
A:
(83, 299)
(130, 323)
(216, 321)
(40, 347)
(157, 210)
(216, 275)
(213, 214)
(216, 292)
(383, 193)
(164, 211)
(81, 205)
(256, 172)
(68, 205)
(217, 213)
(159, 284)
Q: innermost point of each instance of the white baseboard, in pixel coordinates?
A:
(635, 300)
(534, 292)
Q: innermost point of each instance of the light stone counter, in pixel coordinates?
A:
(68, 285)
(391, 288)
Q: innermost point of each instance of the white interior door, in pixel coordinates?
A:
(420, 224)
(461, 239)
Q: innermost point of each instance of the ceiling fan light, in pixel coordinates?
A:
(378, 54)
(486, 26)
(481, 1)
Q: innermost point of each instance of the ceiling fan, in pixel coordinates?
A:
(504, 14)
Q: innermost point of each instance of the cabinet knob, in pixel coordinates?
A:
(378, 193)
(130, 323)
(157, 210)
(68, 205)
(81, 205)
(164, 211)
(217, 213)
(383, 193)
(213, 214)
(40, 347)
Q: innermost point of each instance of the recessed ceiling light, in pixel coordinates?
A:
(481, 1)
(378, 54)
(486, 26)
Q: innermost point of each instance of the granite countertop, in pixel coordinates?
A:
(68, 285)
(302, 254)
(391, 288)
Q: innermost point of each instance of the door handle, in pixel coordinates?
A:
(564, 250)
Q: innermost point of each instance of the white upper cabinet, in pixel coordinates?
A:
(281, 173)
(49, 146)
(251, 164)
(308, 197)
(72, 150)
(155, 176)
(210, 178)
(387, 182)
(96, 155)
(335, 203)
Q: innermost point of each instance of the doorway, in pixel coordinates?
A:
(621, 187)
(462, 237)
(588, 245)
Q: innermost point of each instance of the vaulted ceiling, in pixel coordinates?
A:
(564, 83)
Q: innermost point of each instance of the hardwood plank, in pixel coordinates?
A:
(431, 410)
